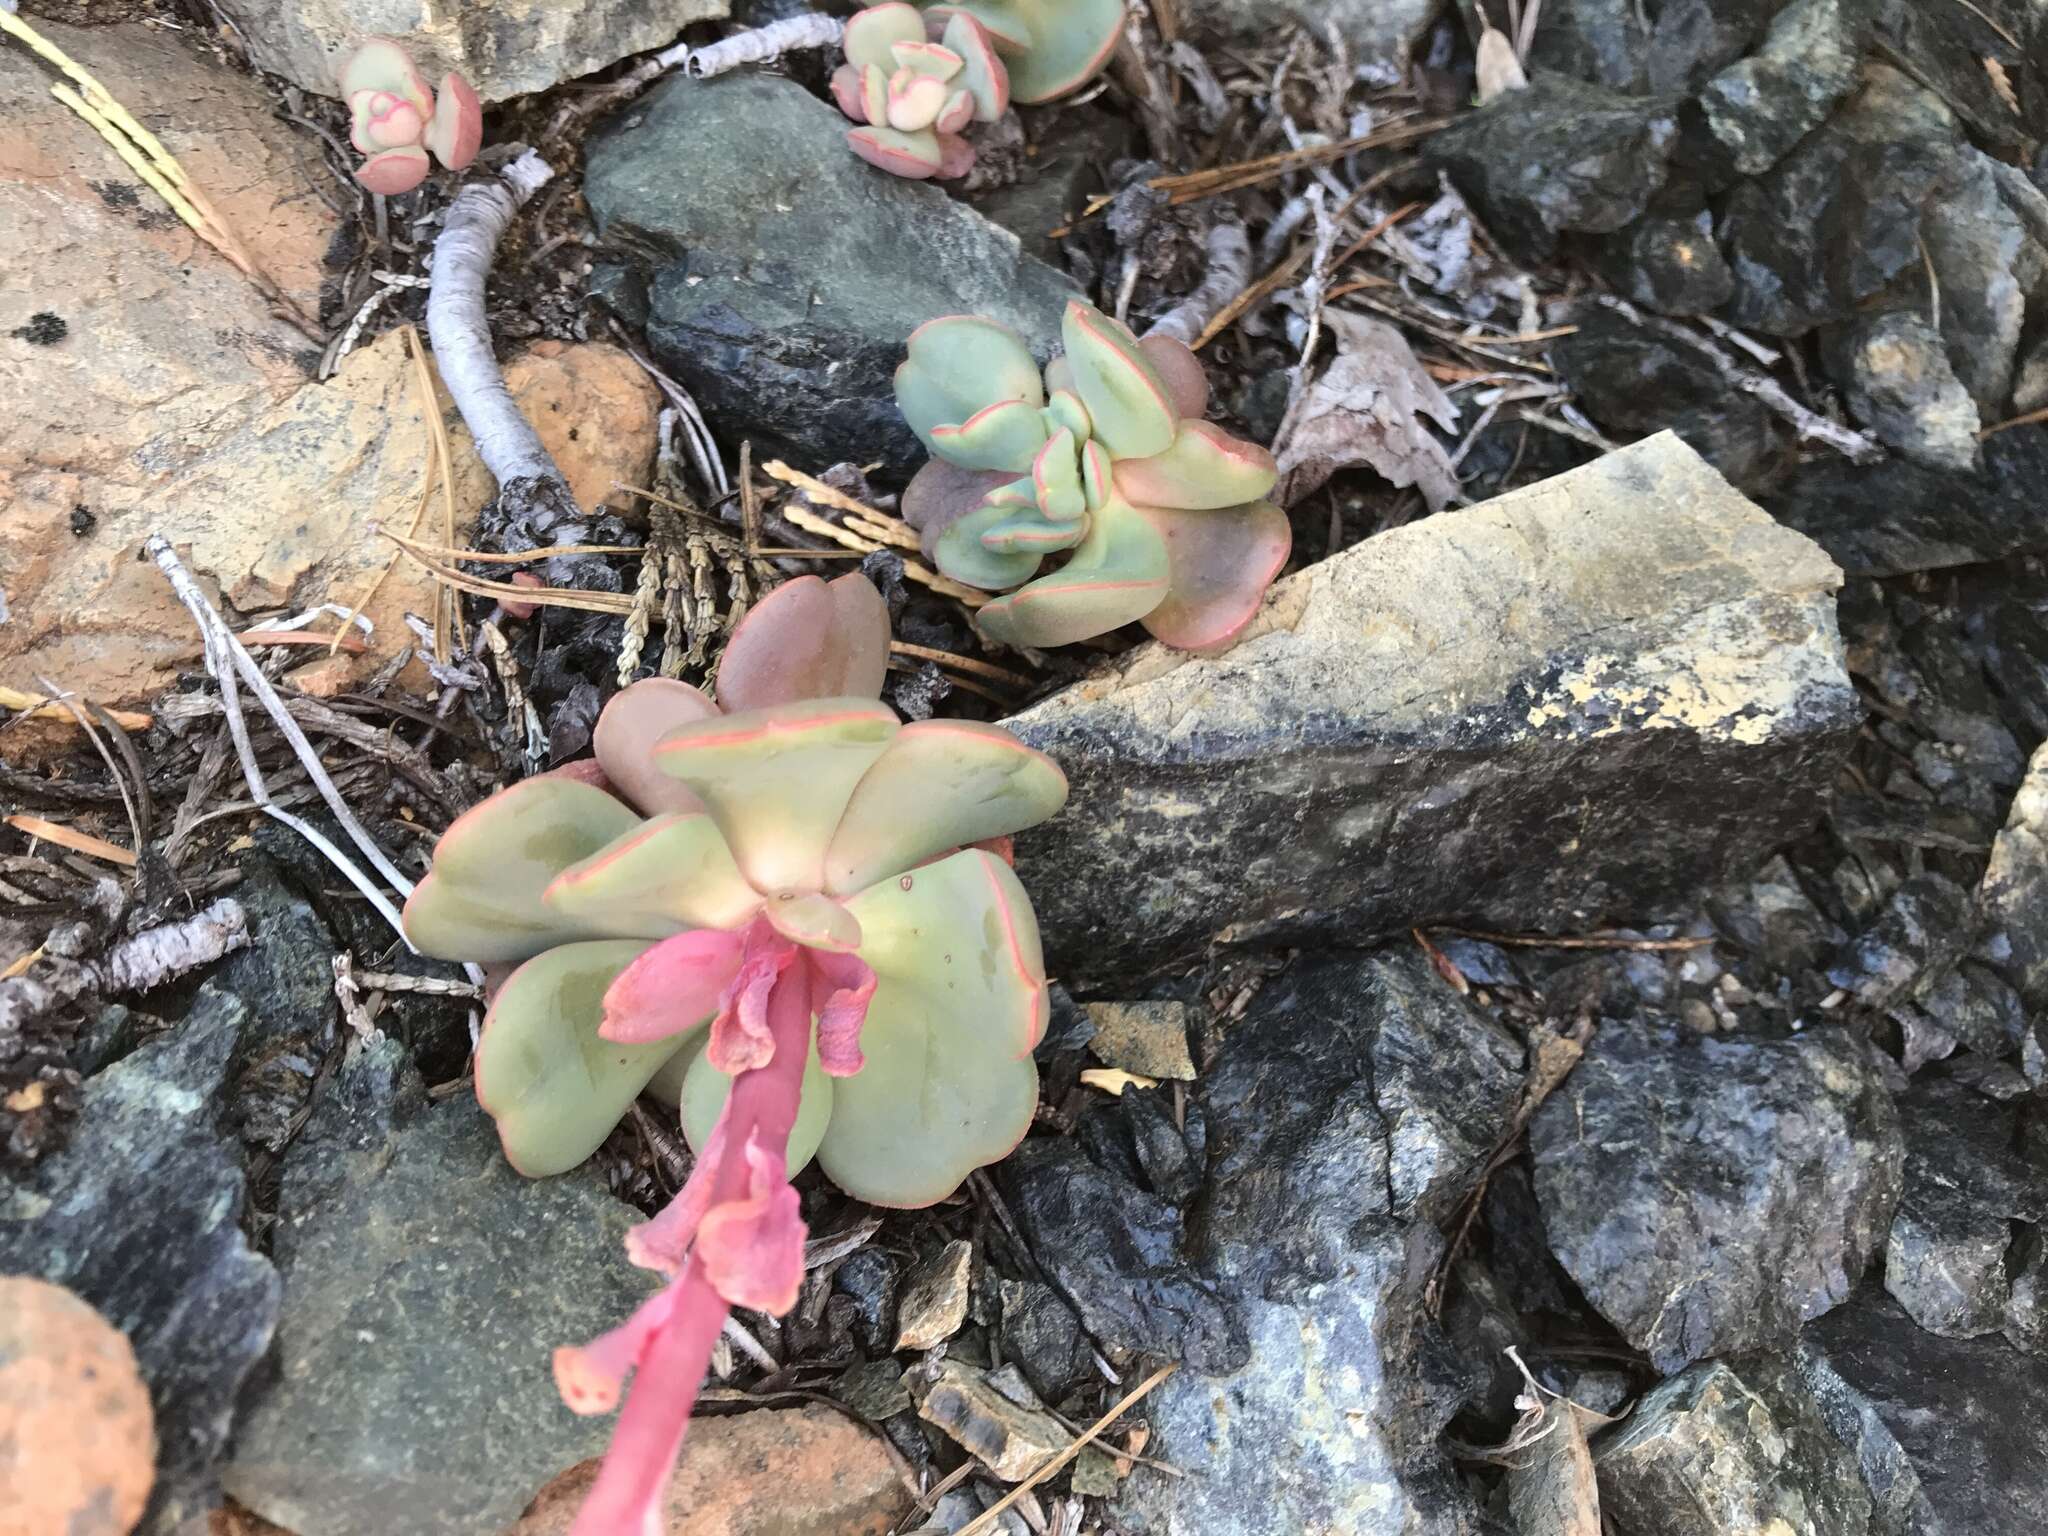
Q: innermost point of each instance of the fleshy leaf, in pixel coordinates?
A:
(1056, 479)
(1029, 532)
(874, 96)
(962, 555)
(949, 1085)
(1222, 561)
(483, 899)
(958, 365)
(808, 639)
(956, 157)
(669, 873)
(913, 156)
(699, 1091)
(382, 121)
(925, 58)
(1186, 380)
(1006, 28)
(776, 781)
(380, 64)
(671, 988)
(984, 76)
(814, 921)
(1098, 475)
(1053, 47)
(394, 171)
(915, 101)
(1063, 408)
(1118, 574)
(942, 784)
(848, 92)
(628, 728)
(554, 1086)
(872, 34)
(456, 131)
(957, 114)
(1206, 467)
(940, 494)
(1006, 436)
(1127, 400)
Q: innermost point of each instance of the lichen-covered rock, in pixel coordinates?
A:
(502, 47)
(1598, 695)
(426, 1283)
(77, 1442)
(783, 275)
(140, 1216)
(1711, 1195)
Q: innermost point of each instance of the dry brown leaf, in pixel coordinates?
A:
(1499, 71)
(1367, 409)
(2001, 82)
(1114, 1080)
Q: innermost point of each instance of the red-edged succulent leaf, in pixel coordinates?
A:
(814, 921)
(456, 131)
(848, 92)
(957, 113)
(874, 96)
(1053, 47)
(913, 156)
(1205, 467)
(777, 780)
(484, 897)
(948, 1085)
(927, 58)
(1027, 531)
(381, 64)
(808, 639)
(1186, 380)
(672, 988)
(1000, 19)
(1222, 561)
(1006, 435)
(1056, 478)
(915, 101)
(637, 717)
(394, 171)
(1127, 400)
(380, 120)
(1098, 476)
(956, 157)
(940, 494)
(672, 872)
(941, 784)
(984, 76)
(962, 554)
(1063, 408)
(872, 35)
(552, 1084)
(958, 365)
(1118, 574)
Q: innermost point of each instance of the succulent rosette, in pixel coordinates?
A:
(395, 119)
(1106, 461)
(917, 82)
(769, 910)
(1051, 48)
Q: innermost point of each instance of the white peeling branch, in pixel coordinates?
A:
(757, 45)
(1229, 274)
(134, 965)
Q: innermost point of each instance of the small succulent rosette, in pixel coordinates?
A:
(1051, 48)
(395, 119)
(1107, 463)
(778, 912)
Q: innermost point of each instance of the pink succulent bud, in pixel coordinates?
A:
(518, 610)
(395, 119)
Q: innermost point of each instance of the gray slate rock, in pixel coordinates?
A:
(2014, 893)
(1600, 694)
(785, 274)
(1347, 1111)
(1674, 45)
(503, 47)
(1986, 235)
(141, 1216)
(1668, 262)
(1894, 373)
(1559, 157)
(1947, 1431)
(1040, 1333)
(1711, 1195)
(426, 1285)
(1708, 1454)
(1750, 115)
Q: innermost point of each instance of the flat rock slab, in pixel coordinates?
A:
(426, 1286)
(784, 274)
(141, 1216)
(1710, 1196)
(1594, 697)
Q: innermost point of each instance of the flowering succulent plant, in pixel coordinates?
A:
(778, 912)
(917, 86)
(396, 119)
(1108, 457)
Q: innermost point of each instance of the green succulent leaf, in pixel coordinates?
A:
(872, 35)
(1129, 403)
(962, 555)
(984, 76)
(380, 64)
(1006, 436)
(665, 875)
(699, 1091)
(913, 156)
(1063, 408)
(484, 898)
(1222, 561)
(1052, 47)
(999, 18)
(542, 1072)
(949, 1085)
(1031, 532)
(813, 920)
(874, 96)
(777, 780)
(1098, 477)
(1205, 467)
(961, 364)
(941, 784)
(1118, 574)
(1056, 478)
(940, 494)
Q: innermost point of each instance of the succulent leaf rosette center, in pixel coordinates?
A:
(779, 912)
(1106, 463)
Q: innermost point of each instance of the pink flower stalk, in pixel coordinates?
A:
(732, 1236)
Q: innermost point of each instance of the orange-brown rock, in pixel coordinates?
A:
(764, 1473)
(77, 1438)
